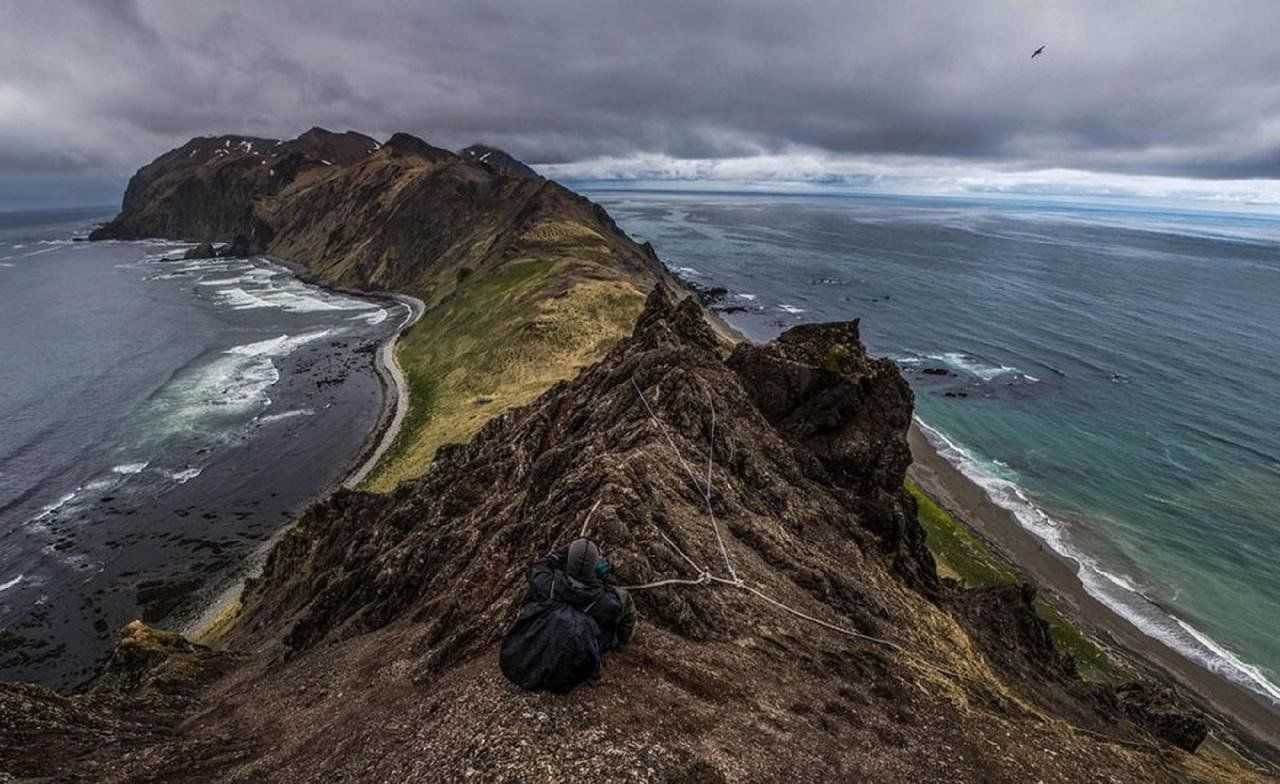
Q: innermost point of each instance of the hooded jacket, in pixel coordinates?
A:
(612, 608)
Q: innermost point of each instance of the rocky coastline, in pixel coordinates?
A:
(817, 638)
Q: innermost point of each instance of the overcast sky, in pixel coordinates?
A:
(1170, 94)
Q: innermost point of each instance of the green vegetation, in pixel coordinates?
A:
(963, 556)
(497, 341)
(962, 553)
(422, 402)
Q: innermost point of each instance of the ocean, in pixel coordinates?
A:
(1108, 371)
(159, 421)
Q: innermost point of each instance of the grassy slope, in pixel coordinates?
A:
(963, 556)
(506, 336)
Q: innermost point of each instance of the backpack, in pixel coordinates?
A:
(553, 646)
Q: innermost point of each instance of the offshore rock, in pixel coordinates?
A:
(202, 251)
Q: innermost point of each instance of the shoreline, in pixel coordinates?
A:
(396, 405)
(1251, 723)
(205, 622)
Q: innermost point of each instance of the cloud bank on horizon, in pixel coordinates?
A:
(1141, 99)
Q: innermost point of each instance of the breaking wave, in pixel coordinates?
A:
(969, 364)
(1118, 592)
(184, 476)
(270, 418)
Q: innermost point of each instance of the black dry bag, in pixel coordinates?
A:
(553, 646)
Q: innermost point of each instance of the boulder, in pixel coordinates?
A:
(202, 251)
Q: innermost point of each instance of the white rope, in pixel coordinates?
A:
(705, 576)
(662, 429)
(704, 492)
(696, 568)
(588, 520)
(711, 454)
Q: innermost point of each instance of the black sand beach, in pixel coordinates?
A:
(1057, 581)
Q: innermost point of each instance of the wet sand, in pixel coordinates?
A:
(397, 395)
(1256, 725)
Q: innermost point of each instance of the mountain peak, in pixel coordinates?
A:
(499, 160)
(402, 143)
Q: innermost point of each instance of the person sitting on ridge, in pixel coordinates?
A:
(571, 616)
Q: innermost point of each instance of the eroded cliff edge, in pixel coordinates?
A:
(367, 649)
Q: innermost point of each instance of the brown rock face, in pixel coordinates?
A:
(369, 644)
(404, 215)
(1163, 713)
(816, 384)
(205, 189)
(149, 684)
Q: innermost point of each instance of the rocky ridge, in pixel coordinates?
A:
(499, 160)
(524, 280)
(367, 649)
(818, 641)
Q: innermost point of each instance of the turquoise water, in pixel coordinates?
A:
(1112, 372)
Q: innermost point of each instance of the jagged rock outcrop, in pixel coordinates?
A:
(1163, 713)
(851, 412)
(205, 189)
(151, 682)
(202, 251)
(367, 649)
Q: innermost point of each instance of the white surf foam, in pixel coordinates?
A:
(10, 583)
(1117, 592)
(1235, 663)
(270, 418)
(62, 501)
(224, 281)
(971, 365)
(185, 475)
(281, 346)
(238, 299)
(373, 319)
(38, 252)
(790, 308)
(290, 296)
(234, 384)
(130, 468)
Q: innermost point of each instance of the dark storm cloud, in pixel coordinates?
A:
(1176, 88)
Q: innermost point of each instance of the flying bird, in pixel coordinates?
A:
(1037, 52)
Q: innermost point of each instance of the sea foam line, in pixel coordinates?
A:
(1117, 592)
